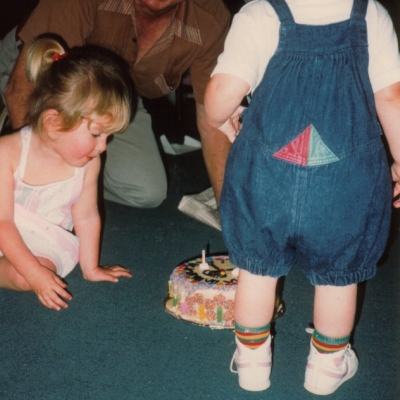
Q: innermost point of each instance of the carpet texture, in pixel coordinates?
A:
(115, 341)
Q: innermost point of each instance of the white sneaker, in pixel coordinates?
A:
(326, 372)
(203, 207)
(253, 366)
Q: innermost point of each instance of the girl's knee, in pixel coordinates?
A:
(10, 278)
(21, 284)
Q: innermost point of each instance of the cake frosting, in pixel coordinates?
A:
(202, 291)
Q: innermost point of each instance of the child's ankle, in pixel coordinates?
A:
(327, 345)
(252, 338)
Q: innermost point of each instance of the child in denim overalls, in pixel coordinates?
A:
(307, 180)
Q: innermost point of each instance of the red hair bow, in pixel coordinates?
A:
(58, 56)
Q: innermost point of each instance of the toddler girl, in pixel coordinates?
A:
(307, 180)
(49, 171)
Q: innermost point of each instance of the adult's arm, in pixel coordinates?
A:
(215, 147)
(17, 91)
(387, 102)
(214, 143)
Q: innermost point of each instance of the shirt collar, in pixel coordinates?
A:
(184, 23)
(188, 30)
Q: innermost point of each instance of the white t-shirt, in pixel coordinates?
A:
(254, 35)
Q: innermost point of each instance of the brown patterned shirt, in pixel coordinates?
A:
(193, 40)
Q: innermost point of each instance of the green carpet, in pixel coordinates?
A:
(115, 341)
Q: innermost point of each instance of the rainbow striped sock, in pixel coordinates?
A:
(325, 344)
(252, 337)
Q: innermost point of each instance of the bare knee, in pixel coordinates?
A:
(21, 285)
(15, 281)
(10, 278)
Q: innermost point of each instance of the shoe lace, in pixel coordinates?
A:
(232, 362)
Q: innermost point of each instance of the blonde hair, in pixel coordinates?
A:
(85, 82)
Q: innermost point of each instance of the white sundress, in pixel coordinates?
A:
(43, 214)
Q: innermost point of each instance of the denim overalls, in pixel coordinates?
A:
(307, 180)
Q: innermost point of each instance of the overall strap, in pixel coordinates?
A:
(282, 10)
(359, 10)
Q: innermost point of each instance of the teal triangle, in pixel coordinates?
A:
(318, 152)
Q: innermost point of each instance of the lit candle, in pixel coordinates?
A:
(203, 265)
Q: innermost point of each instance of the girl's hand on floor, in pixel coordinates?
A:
(107, 273)
(50, 289)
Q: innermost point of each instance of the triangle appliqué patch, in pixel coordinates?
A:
(307, 150)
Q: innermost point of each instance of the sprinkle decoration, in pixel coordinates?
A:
(197, 300)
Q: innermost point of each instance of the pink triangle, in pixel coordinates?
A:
(297, 150)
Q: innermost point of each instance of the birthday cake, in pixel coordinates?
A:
(202, 291)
